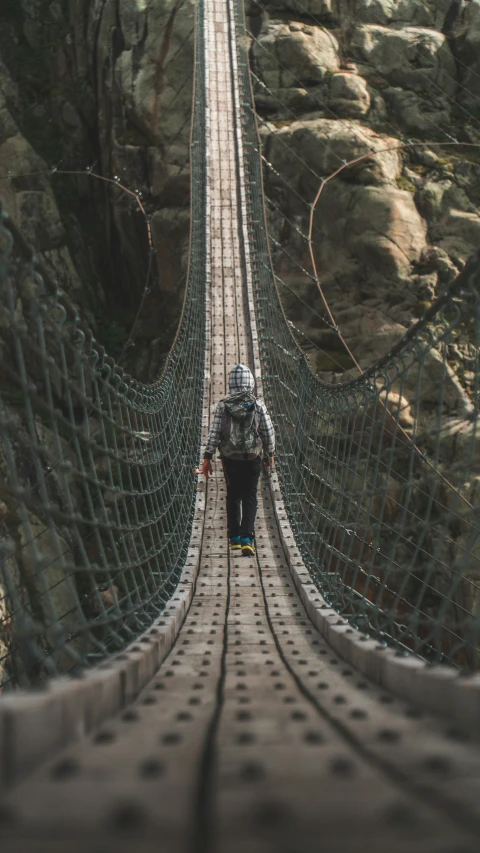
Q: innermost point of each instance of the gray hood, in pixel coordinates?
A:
(240, 378)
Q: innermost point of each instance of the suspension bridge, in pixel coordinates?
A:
(158, 691)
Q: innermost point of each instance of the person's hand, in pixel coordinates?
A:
(268, 462)
(207, 469)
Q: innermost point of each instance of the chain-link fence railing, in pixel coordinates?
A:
(380, 474)
(97, 479)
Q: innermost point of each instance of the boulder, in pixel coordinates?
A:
(431, 199)
(467, 177)
(459, 451)
(417, 388)
(431, 384)
(419, 115)
(149, 88)
(385, 231)
(466, 48)
(428, 13)
(464, 225)
(458, 249)
(437, 200)
(413, 58)
(296, 100)
(294, 55)
(370, 334)
(348, 95)
(305, 151)
(398, 408)
(436, 260)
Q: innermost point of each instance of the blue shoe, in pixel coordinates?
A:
(235, 543)
(248, 548)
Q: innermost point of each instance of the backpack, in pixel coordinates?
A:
(240, 427)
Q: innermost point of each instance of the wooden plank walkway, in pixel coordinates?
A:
(253, 735)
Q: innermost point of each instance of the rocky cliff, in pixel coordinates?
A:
(338, 79)
(105, 84)
(109, 84)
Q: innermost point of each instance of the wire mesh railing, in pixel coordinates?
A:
(97, 481)
(380, 474)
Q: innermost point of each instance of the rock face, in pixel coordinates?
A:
(414, 58)
(110, 84)
(428, 13)
(466, 49)
(391, 230)
(295, 54)
(106, 85)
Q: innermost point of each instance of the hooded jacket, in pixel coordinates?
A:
(240, 378)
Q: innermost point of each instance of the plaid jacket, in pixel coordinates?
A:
(241, 379)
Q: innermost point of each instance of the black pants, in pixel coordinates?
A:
(242, 478)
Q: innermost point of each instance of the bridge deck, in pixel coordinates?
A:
(253, 734)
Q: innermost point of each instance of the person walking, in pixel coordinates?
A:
(243, 433)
